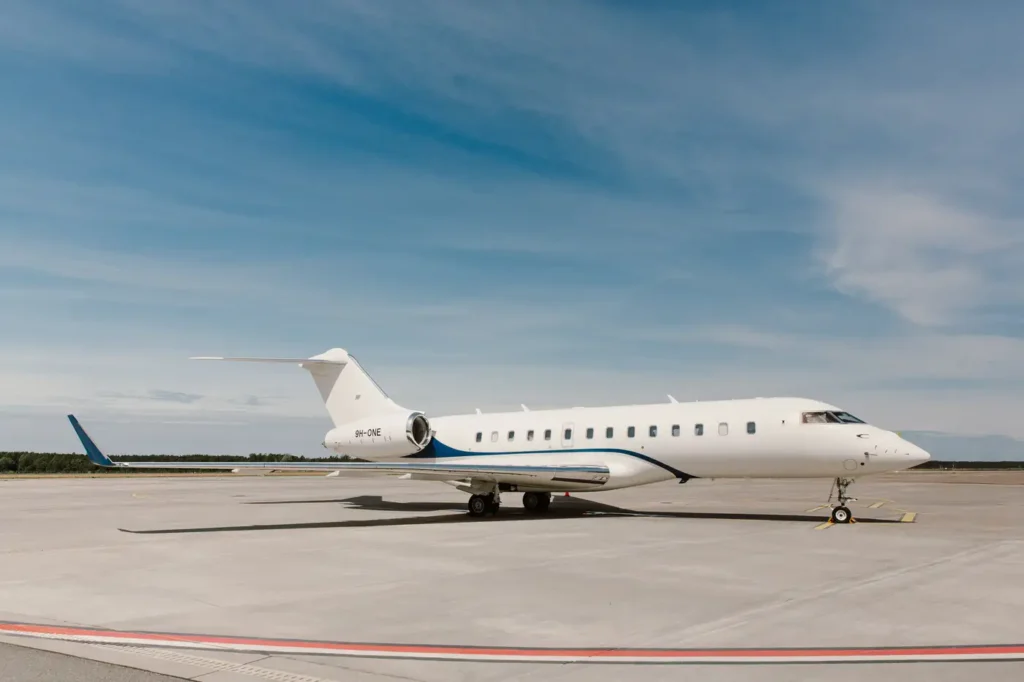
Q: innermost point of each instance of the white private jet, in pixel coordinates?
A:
(583, 449)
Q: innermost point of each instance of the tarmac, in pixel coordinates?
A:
(303, 579)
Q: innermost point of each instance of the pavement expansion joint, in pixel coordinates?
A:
(213, 664)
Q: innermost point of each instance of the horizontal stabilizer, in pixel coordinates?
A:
(287, 361)
(348, 392)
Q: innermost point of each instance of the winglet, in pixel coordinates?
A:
(91, 451)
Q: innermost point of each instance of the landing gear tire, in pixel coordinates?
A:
(841, 514)
(481, 505)
(478, 505)
(536, 503)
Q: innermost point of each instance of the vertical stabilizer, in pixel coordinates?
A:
(349, 393)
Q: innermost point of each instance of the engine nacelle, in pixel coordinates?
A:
(388, 436)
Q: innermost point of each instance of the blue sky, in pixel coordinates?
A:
(551, 203)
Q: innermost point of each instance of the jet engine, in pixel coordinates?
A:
(388, 436)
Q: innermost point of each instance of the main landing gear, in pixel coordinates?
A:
(536, 503)
(481, 505)
(840, 512)
(489, 503)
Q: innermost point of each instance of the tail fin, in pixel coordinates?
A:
(348, 392)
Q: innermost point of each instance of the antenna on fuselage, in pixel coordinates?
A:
(525, 408)
(672, 400)
(478, 411)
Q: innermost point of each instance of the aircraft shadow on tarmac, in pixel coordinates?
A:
(375, 503)
(560, 508)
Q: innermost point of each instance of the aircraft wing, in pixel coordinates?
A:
(556, 476)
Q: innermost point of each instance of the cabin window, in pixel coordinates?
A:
(590, 433)
(675, 429)
(652, 431)
(723, 429)
(529, 435)
(494, 436)
(547, 434)
(568, 434)
(479, 436)
(698, 429)
(609, 432)
(631, 431)
(751, 427)
(511, 435)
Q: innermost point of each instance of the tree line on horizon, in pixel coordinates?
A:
(60, 463)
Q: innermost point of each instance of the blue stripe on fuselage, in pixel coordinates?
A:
(438, 450)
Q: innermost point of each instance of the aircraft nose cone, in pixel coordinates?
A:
(914, 453)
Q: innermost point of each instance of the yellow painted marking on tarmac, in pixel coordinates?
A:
(908, 517)
(825, 525)
(820, 506)
(876, 505)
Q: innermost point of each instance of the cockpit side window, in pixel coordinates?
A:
(830, 417)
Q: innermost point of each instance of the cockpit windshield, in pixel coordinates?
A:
(830, 417)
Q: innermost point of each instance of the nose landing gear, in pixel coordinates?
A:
(840, 512)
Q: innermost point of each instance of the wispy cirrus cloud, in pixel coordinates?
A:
(157, 394)
(931, 262)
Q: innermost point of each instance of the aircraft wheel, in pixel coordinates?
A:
(536, 503)
(840, 514)
(478, 505)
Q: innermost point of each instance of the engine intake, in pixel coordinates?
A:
(385, 437)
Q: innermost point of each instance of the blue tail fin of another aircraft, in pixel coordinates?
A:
(91, 451)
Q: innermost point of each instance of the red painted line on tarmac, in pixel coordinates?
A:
(533, 654)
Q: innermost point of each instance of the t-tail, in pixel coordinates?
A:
(348, 392)
(367, 423)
